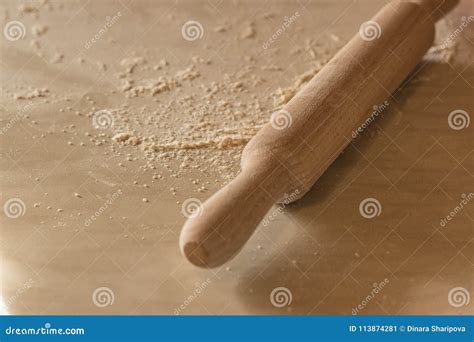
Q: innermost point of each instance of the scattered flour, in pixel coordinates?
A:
(177, 119)
(35, 93)
(442, 53)
(195, 125)
(39, 30)
(126, 139)
(248, 31)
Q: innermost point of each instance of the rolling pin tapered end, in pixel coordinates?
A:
(195, 254)
(226, 221)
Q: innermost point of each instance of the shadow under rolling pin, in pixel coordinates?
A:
(291, 152)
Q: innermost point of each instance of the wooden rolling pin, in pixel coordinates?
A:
(291, 152)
